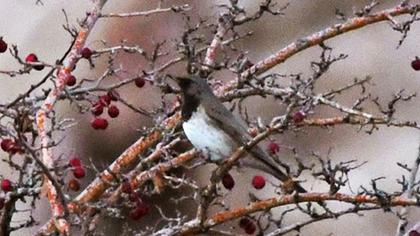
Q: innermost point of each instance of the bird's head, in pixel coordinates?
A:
(192, 86)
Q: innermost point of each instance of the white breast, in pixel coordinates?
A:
(206, 137)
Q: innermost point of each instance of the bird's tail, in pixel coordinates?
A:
(267, 164)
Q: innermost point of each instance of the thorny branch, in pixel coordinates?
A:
(147, 167)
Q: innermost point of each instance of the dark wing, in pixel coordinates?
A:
(236, 129)
(226, 120)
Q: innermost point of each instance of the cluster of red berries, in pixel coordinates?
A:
(415, 64)
(97, 109)
(228, 182)
(78, 172)
(30, 58)
(85, 53)
(141, 207)
(247, 225)
(10, 146)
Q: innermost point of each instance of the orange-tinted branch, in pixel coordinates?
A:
(43, 121)
(316, 38)
(263, 205)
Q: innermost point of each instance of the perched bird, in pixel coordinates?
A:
(215, 131)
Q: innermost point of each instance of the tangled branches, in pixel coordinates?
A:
(162, 162)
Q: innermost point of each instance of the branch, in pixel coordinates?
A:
(224, 24)
(184, 7)
(42, 118)
(409, 192)
(194, 227)
(317, 38)
(128, 157)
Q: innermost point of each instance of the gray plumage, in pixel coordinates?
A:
(205, 115)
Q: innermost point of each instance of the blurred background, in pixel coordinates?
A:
(372, 51)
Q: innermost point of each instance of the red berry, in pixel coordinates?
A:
(3, 45)
(79, 172)
(413, 233)
(415, 64)
(70, 80)
(33, 58)
(10, 146)
(6, 185)
(258, 182)
(140, 82)
(273, 148)
(86, 53)
(299, 116)
(7, 144)
(97, 109)
(74, 185)
(126, 187)
(113, 111)
(105, 100)
(250, 228)
(114, 95)
(2, 203)
(228, 181)
(75, 161)
(141, 210)
(244, 222)
(99, 123)
(15, 149)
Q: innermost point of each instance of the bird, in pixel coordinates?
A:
(217, 133)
